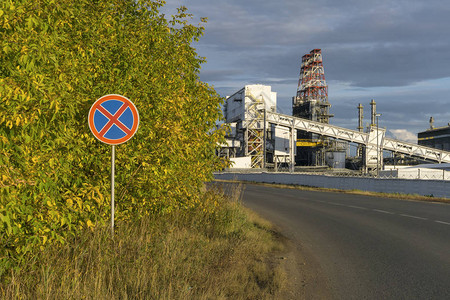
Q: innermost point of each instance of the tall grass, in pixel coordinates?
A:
(221, 251)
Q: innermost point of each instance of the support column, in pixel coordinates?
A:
(293, 144)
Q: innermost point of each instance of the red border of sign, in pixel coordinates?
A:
(113, 97)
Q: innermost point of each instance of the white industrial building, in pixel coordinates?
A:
(252, 142)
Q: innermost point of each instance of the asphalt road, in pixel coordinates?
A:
(365, 247)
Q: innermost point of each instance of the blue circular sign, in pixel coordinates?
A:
(113, 119)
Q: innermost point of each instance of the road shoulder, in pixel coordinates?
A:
(305, 279)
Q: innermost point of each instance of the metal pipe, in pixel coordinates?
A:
(293, 144)
(378, 148)
(360, 117)
(264, 142)
(373, 112)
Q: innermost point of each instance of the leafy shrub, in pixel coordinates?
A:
(56, 59)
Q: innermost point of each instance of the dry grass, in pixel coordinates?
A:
(220, 254)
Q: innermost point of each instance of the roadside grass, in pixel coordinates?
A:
(413, 197)
(222, 251)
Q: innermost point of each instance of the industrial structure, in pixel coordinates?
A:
(259, 137)
(311, 102)
(245, 112)
(438, 138)
(371, 158)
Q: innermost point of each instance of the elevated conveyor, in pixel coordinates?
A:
(371, 140)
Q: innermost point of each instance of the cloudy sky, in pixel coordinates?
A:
(395, 52)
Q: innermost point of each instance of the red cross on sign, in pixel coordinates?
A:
(113, 119)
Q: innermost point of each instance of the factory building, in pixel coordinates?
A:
(438, 138)
(249, 141)
(252, 141)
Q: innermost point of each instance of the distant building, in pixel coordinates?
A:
(438, 138)
(244, 112)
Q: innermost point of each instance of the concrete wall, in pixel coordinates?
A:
(417, 173)
(241, 162)
(437, 188)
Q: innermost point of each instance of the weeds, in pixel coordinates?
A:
(217, 251)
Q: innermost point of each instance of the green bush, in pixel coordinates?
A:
(56, 59)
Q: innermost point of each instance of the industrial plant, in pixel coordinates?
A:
(438, 138)
(261, 138)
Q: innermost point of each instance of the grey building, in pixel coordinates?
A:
(438, 138)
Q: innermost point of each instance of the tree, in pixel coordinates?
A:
(56, 59)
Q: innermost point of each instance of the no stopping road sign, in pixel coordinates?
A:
(113, 119)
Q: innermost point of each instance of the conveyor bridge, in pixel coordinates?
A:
(373, 140)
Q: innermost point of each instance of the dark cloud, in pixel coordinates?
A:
(219, 75)
(397, 52)
(387, 65)
(399, 108)
(380, 43)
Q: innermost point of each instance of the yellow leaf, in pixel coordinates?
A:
(89, 224)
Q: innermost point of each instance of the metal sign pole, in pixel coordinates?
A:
(103, 116)
(113, 156)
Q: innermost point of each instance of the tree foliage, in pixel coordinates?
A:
(56, 59)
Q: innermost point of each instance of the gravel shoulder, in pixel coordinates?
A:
(304, 277)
